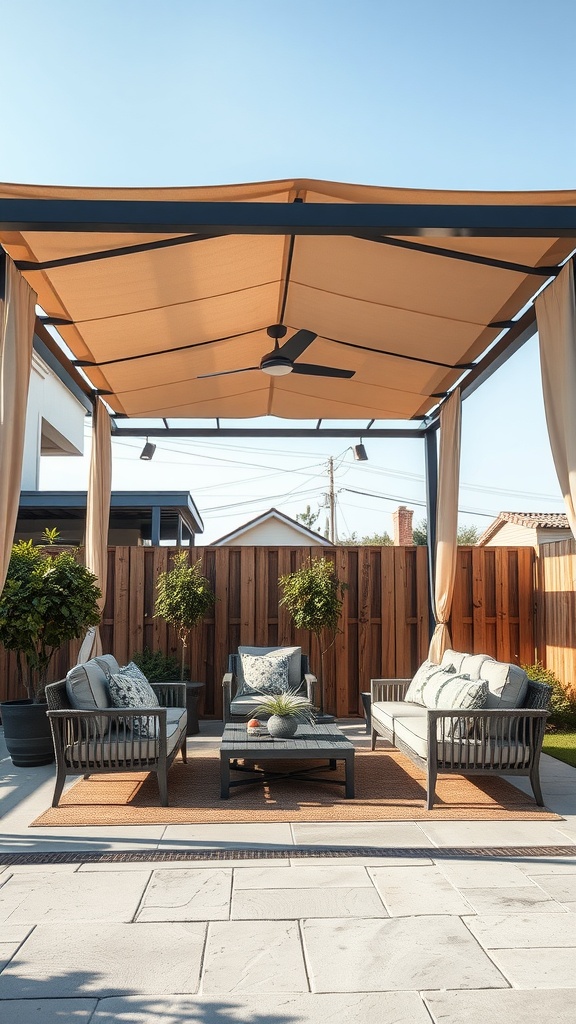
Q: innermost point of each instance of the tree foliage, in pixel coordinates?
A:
(308, 518)
(467, 534)
(376, 540)
(47, 600)
(183, 596)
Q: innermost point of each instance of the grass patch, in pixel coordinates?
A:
(561, 745)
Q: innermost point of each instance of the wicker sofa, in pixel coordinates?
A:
(91, 737)
(504, 736)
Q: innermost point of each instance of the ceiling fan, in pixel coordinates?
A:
(281, 360)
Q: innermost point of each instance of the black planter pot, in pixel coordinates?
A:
(27, 733)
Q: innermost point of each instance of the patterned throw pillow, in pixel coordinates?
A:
(265, 675)
(427, 671)
(131, 669)
(455, 692)
(128, 692)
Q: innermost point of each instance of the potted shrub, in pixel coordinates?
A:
(183, 596)
(313, 595)
(286, 710)
(48, 599)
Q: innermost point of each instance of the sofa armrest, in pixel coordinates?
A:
(311, 684)
(388, 689)
(227, 683)
(170, 693)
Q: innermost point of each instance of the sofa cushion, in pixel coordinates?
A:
(119, 746)
(425, 674)
(454, 658)
(460, 752)
(294, 663)
(507, 684)
(385, 712)
(265, 675)
(107, 663)
(472, 665)
(87, 690)
(456, 690)
(131, 669)
(128, 692)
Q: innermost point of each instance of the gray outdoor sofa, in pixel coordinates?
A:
(497, 728)
(91, 737)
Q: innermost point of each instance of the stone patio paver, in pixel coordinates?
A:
(11, 938)
(409, 892)
(539, 968)
(470, 874)
(103, 959)
(559, 887)
(397, 954)
(281, 904)
(507, 1006)
(38, 896)
(262, 959)
(303, 877)
(517, 899)
(293, 1008)
(506, 930)
(187, 894)
(48, 1011)
(360, 833)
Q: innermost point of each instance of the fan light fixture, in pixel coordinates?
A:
(148, 451)
(276, 366)
(360, 453)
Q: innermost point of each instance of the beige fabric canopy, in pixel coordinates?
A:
(152, 322)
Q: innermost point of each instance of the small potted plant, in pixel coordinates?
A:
(286, 710)
(48, 599)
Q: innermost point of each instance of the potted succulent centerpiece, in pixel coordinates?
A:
(48, 598)
(286, 711)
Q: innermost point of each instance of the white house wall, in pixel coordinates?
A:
(513, 535)
(54, 422)
(270, 534)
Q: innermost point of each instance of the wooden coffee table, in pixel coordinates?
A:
(238, 752)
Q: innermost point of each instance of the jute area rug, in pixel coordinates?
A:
(388, 788)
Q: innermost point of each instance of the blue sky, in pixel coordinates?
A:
(443, 95)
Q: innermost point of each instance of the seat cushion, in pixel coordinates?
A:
(119, 747)
(265, 675)
(385, 712)
(294, 663)
(461, 752)
(177, 716)
(245, 705)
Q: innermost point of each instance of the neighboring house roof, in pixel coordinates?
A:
(533, 520)
(128, 508)
(308, 536)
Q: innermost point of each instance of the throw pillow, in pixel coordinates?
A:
(265, 675)
(294, 663)
(128, 692)
(426, 671)
(131, 669)
(454, 692)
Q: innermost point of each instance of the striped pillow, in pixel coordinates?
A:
(452, 691)
(425, 674)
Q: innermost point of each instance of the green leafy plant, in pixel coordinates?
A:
(313, 596)
(183, 596)
(562, 706)
(156, 666)
(290, 704)
(47, 600)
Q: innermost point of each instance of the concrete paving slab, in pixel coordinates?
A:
(36, 897)
(48, 1011)
(416, 891)
(538, 968)
(296, 904)
(303, 877)
(360, 833)
(295, 1008)
(201, 894)
(522, 931)
(528, 899)
(397, 954)
(267, 958)
(11, 938)
(559, 887)
(534, 866)
(468, 874)
(495, 833)
(507, 1006)
(256, 834)
(105, 959)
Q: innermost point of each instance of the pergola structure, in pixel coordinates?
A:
(162, 295)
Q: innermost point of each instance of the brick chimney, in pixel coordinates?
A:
(402, 519)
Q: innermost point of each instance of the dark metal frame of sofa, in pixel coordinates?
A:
(309, 682)
(518, 730)
(70, 726)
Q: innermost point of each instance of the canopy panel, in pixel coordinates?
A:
(406, 318)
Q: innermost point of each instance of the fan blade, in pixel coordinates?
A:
(224, 373)
(296, 345)
(321, 371)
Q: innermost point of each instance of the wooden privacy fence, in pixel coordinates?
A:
(385, 621)
(556, 610)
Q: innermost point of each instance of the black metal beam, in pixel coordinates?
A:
(161, 216)
(466, 257)
(107, 254)
(53, 356)
(346, 432)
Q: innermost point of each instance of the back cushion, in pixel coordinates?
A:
(294, 663)
(507, 684)
(87, 690)
(454, 658)
(473, 665)
(425, 674)
(108, 664)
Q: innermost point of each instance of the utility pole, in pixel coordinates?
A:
(332, 501)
